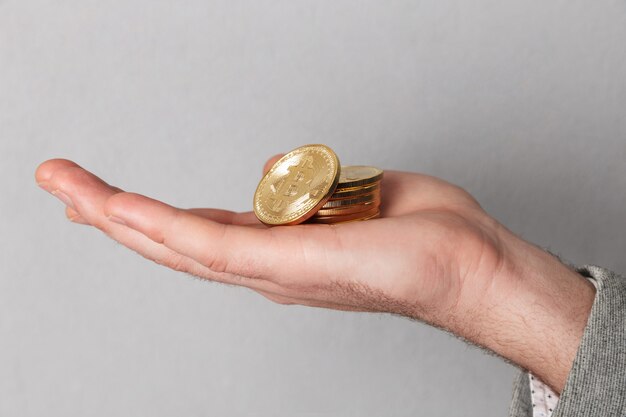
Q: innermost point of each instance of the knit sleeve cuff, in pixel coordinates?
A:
(596, 384)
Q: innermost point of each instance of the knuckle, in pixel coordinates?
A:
(217, 259)
(216, 263)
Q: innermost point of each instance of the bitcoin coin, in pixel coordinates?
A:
(340, 211)
(297, 185)
(308, 184)
(370, 214)
(366, 198)
(354, 192)
(357, 176)
(357, 196)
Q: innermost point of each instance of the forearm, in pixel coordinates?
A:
(535, 311)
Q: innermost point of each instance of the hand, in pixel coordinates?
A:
(434, 255)
(431, 237)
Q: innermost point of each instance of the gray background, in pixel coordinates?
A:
(522, 103)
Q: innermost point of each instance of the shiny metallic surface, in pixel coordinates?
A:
(342, 211)
(297, 185)
(354, 192)
(362, 199)
(358, 175)
(370, 214)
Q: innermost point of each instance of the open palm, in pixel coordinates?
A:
(432, 250)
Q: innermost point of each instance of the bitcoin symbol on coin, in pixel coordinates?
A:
(295, 184)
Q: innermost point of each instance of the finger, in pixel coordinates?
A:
(46, 169)
(253, 252)
(89, 193)
(74, 216)
(270, 162)
(86, 192)
(225, 216)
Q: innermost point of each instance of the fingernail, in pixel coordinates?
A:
(64, 198)
(117, 220)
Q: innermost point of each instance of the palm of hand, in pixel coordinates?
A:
(432, 250)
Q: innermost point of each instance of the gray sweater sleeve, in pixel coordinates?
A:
(596, 385)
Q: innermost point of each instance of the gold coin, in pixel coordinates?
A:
(354, 192)
(366, 198)
(341, 211)
(354, 201)
(366, 215)
(297, 185)
(357, 175)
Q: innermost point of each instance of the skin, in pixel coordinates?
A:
(434, 255)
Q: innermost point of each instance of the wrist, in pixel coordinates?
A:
(534, 312)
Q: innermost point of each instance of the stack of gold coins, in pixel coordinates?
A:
(308, 183)
(357, 196)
